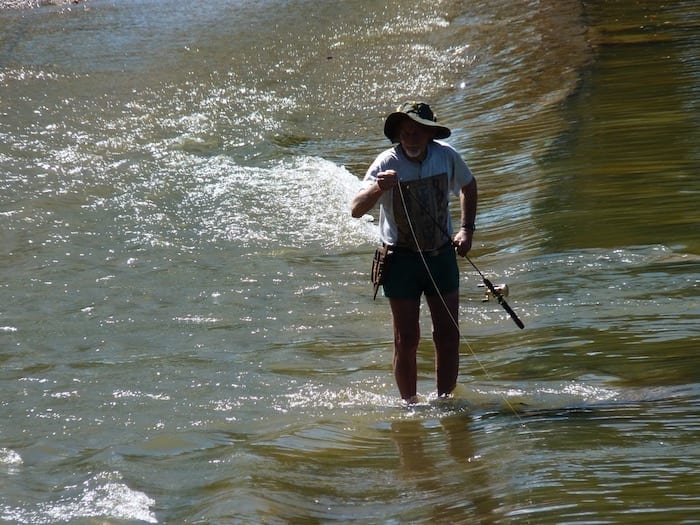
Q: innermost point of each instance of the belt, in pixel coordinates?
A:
(445, 248)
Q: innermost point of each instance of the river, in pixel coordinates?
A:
(187, 333)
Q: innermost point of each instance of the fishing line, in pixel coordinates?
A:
(444, 303)
(496, 293)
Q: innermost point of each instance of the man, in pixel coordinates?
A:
(412, 182)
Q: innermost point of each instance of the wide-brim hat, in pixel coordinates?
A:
(419, 112)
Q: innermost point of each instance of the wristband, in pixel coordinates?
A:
(469, 227)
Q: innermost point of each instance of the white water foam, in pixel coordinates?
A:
(104, 496)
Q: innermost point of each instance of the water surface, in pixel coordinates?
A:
(186, 328)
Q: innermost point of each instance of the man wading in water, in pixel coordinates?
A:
(412, 182)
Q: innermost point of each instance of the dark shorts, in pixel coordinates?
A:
(408, 278)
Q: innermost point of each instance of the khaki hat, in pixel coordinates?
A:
(417, 111)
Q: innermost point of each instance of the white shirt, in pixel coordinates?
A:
(425, 193)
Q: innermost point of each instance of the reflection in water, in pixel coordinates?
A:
(185, 313)
(444, 467)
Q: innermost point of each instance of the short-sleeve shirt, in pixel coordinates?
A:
(426, 188)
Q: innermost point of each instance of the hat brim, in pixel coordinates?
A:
(391, 125)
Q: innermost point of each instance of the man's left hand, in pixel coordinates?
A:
(463, 241)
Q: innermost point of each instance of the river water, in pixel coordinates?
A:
(186, 327)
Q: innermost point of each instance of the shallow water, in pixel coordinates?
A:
(186, 329)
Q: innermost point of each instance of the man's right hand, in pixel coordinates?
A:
(387, 179)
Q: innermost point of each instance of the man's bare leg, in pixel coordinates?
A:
(446, 339)
(405, 313)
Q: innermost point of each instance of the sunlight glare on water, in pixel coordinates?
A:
(187, 333)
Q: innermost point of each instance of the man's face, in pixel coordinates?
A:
(414, 139)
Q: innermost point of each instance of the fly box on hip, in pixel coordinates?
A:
(380, 266)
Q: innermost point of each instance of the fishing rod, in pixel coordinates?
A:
(496, 293)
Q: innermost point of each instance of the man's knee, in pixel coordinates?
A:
(406, 342)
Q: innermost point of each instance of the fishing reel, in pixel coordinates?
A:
(489, 294)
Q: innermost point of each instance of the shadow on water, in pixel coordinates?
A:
(625, 171)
